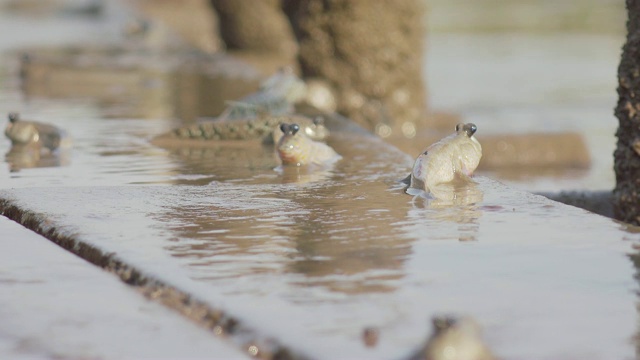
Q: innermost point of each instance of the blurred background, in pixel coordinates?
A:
(538, 77)
(524, 66)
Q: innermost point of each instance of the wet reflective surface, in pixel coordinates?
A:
(312, 258)
(313, 263)
(56, 305)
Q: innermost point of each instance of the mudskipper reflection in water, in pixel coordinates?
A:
(456, 202)
(304, 175)
(229, 230)
(351, 246)
(35, 144)
(26, 158)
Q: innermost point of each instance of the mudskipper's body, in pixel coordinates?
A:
(256, 116)
(23, 133)
(455, 339)
(265, 128)
(453, 158)
(277, 95)
(297, 149)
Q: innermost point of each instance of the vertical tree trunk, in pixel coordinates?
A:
(627, 153)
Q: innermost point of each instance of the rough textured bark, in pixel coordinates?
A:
(371, 52)
(627, 153)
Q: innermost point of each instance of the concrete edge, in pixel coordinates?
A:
(597, 202)
(212, 319)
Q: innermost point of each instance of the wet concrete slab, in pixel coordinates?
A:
(301, 263)
(56, 305)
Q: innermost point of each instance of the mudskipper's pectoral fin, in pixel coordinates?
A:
(407, 180)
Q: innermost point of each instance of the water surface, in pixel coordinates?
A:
(311, 258)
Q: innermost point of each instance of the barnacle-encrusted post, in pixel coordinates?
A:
(627, 153)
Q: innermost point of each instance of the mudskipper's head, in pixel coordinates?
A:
(289, 146)
(289, 129)
(13, 117)
(20, 132)
(468, 129)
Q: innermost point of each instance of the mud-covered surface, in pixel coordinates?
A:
(347, 43)
(627, 154)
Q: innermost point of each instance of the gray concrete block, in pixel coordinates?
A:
(56, 305)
